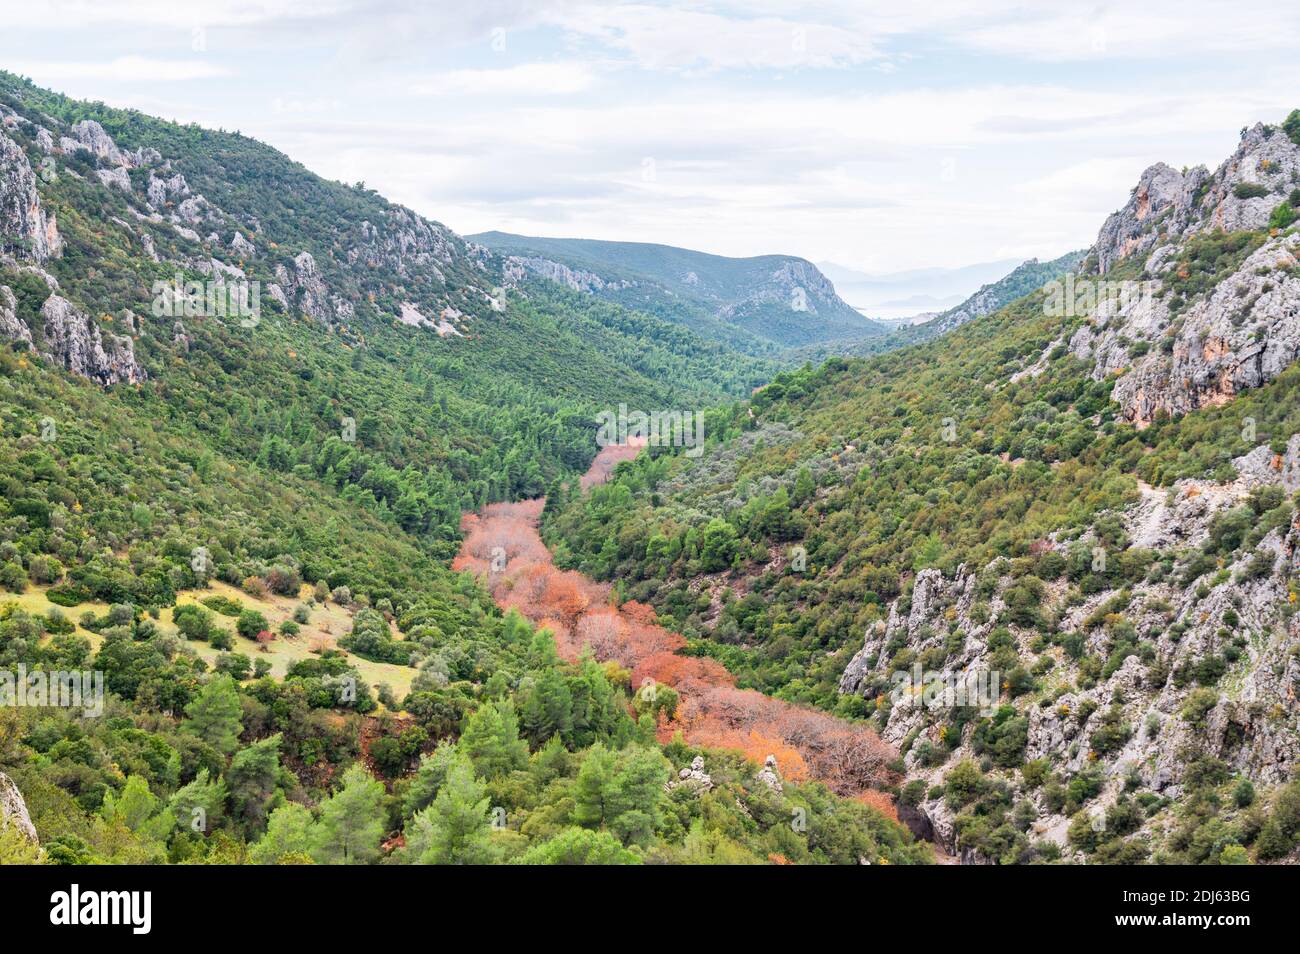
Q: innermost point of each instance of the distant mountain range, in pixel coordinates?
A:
(754, 303)
(1021, 280)
(889, 296)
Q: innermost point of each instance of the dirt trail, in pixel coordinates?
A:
(503, 546)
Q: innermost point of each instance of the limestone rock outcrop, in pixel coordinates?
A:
(72, 340)
(13, 810)
(27, 231)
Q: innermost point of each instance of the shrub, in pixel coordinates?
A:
(284, 580)
(1249, 190)
(255, 586)
(1291, 126)
(250, 623)
(1282, 216)
(13, 577)
(223, 605)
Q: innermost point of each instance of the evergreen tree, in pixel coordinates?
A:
(288, 834)
(351, 822)
(200, 805)
(491, 740)
(214, 714)
(253, 781)
(429, 778)
(455, 829)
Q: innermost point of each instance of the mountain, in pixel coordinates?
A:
(1023, 279)
(1050, 554)
(1020, 281)
(243, 413)
(901, 295)
(776, 299)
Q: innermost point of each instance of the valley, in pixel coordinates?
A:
(699, 700)
(368, 582)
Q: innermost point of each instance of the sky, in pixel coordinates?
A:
(880, 136)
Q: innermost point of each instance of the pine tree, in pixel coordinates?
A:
(491, 740)
(351, 821)
(253, 781)
(288, 834)
(214, 714)
(455, 829)
(804, 487)
(429, 778)
(200, 805)
(134, 806)
(593, 788)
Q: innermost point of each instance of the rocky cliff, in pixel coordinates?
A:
(1212, 258)
(13, 810)
(1146, 717)
(387, 265)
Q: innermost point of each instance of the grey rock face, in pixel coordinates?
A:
(91, 136)
(305, 287)
(1242, 335)
(694, 779)
(1167, 205)
(1251, 724)
(11, 327)
(116, 178)
(1159, 192)
(1265, 158)
(921, 627)
(575, 278)
(160, 191)
(72, 340)
(795, 284)
(408, 243)
(26, 231)
(242, 246)
(769, 776)
(13, 810)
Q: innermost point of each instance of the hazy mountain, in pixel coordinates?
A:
(893, 295)
(779, 299)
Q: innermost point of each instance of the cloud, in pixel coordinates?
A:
(71, 15)
(525, 80)
(677, 39)
(131, 69)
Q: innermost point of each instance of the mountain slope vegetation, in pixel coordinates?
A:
(242, 410)
(750, 303)
(1091, 500)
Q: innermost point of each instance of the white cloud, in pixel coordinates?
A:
(133, 69)
(525, 80)
(673, 38)
(772, 125)
(71, 15)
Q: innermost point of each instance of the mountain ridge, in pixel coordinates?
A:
(781, 298)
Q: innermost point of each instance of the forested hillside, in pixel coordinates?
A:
(241, 516)
(1088, 494)
(759, 305)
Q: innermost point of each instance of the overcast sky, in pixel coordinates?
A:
(882, 136)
